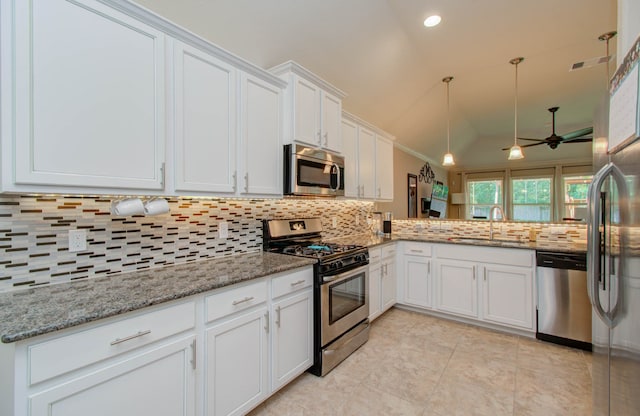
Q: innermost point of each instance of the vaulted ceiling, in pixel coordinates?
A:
(391, 66)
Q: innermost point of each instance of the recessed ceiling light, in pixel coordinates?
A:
(432, 21)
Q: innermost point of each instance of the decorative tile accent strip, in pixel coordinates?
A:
(34, 233)
(515, 231)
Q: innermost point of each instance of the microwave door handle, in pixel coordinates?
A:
(337, 170)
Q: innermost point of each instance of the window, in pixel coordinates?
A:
(531, 199)
(575, 196)
(483, 194)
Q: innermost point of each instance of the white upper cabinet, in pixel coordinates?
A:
(313, 108)
(261, 138)
(368, 153)
(205, 91)
(88, 99)
(84, 107)
(384, 168)
(350, 153)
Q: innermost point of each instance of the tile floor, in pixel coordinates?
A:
(415, 364)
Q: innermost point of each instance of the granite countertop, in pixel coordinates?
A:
(371, 240)
(36, 311)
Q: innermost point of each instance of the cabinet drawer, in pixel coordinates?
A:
(58, 356)
(237, 299)
(292, 282)
(388, 251)
(417, 249)
(374, 255)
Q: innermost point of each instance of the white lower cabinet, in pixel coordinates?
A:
(256, 343)
(382, 280)
(292, 342)
(457, 288)
(493, 285)
(418, 282)
(237, 364)
(507, 295)
(218, 353)
(157, 382)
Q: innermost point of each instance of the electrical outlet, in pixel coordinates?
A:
(223, 230)
(334, 222)
(77, 240)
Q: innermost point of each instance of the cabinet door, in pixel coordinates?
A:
(374, 291)
(507, 295)
(384, 169)
(457, 288)
(158, 382)
(205, 121)
(306, 112)
(388, 284)
(366, 162)
(237, 364)
(292, 323)
(418, 281)
(261, 138)
(331, 122)
(89, 97)
(350, 153)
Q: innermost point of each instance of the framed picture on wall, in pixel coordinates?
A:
(412, 196)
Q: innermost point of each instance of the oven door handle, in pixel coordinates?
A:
(343, 276)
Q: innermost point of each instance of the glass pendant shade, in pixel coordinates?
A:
(448, 160)
(448, 157)
(515, 152)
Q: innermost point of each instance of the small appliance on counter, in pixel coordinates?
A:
(386, 224)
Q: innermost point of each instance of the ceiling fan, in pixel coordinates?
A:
(578, 136)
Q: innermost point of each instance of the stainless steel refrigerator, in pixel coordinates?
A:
(613, 258)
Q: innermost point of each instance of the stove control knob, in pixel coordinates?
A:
(339, 264)
(333, 266)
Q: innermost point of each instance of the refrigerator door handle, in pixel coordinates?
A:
(594, 248)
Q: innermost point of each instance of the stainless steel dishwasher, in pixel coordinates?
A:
(564, 311)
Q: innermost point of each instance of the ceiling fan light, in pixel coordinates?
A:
(515, 153)
(448, 160)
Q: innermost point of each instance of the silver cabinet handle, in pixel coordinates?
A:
(246, 182)
(429, 267)
(162, 175)
(416, 251)
(235, 181)
(474, 272)
(484, 274)
(298, 282)
(130, 337)
(247, 299)
(193, 354)
(278, 316)
(319, 136)
(326, 138)
(379, 192)
(266, 321)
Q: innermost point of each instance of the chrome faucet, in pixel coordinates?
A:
(492, 212)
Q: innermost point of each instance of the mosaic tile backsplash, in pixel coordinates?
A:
(34, 233)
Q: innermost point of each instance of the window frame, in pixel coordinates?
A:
(513, 204)
(489, 178)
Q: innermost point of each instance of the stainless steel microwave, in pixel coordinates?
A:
(309, 171)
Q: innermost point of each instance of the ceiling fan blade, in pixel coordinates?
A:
(534, 140)
(535, 144)
(578, 133)
(579, 140)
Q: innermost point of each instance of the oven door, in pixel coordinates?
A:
(344, 302)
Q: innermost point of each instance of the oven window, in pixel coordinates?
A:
(346, 296)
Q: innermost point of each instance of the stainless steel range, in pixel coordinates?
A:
(341, 288)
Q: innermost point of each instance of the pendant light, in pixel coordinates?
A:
(448, 157)
(515, 152)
